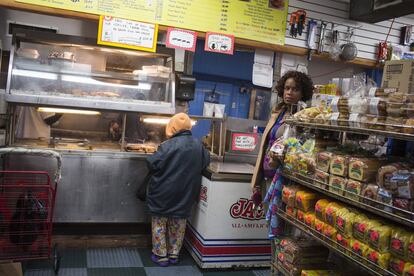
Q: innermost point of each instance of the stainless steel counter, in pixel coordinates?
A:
(226, 171)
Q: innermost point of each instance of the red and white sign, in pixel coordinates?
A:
(181, 39)
(243, 142)
(244, 209)
(219, 43)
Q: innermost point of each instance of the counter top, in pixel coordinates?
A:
(229, 172)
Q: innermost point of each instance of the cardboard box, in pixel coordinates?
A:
(399, 74)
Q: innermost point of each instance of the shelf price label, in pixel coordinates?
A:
(181, 39)
(128, 34)
(219, 43)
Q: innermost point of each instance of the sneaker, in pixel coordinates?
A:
(161, 261)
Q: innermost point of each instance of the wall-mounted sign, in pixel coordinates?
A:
(244, 141)
(127, 34)
(181, 39)
(219, 43)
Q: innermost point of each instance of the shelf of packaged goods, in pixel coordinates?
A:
(367, 265)
(357, 130)
(406, 217)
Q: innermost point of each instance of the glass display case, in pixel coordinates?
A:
(61, 70)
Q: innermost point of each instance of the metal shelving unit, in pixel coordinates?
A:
(309, 183)
(357, 130)
(365, 264)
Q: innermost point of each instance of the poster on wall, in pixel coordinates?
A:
(127, 34)
(263, 20)
(181, 39)
(219, 43)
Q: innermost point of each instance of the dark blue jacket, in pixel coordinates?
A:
(176, 175)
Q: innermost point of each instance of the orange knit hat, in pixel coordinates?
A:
(177, 123)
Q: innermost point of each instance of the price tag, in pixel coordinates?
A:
(219, 43)
(334, 104)
(373, 106)
(372, 92)
(181, 39)
(127, 34)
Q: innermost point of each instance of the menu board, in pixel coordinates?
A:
(260, 20)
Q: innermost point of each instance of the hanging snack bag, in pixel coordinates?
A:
(330, 212)
(320, 208)
(344, 221)
(323, 160)
(399, 242)
(339, 165)
(379, 237)
(305, 201)
(380, 259)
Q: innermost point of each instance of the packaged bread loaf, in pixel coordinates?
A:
(318, 272)
(410, 250)
(403, 180)
(319, 225)
(360, 227)
(403, 204)
(290, 211)
(385, 173)
(397, 265)
(408, 269)
(385, 197)
(321, 179)
(353, 189)
(289, 195)
(381, 92)
(343, 241)
(380, 259)
(395, 124)
(359, 248)
(300, 215)
(330, 212)
(339, 165)
(410, 110)
(409, 126)
(323, 160)
(364, 169)
(379, 237)
(344, 221)
(337, 184)
(310, 219)
(329, 232)
(320, 208)
(396, 109)
(399, 242)
(305, 200)
(377, 106)
(369, 193)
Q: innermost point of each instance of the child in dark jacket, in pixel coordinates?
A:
(174, 187)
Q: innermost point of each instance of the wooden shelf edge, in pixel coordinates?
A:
(240, 42)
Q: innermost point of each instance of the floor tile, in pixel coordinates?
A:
(73, 258)
(145, 254)
(116, 271)
(173, 271)
(113, 257)
(261, 272)
(185, 258)
(73, 272)
(228, 272)
(39, 272)
(38, 264)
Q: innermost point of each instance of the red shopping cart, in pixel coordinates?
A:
(27, 200)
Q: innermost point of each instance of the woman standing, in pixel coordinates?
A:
(292, 87)
(174, 187)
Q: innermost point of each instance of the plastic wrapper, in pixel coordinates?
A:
(409, 126)
(321, 179)
(399, 242)
(370, 191)
(305, 201)
(410, 249)
(306, 164)
(309, 220)
(377, 106)
(397, 265)
(381, 92)
(373, 122)
(410, 110)
(329, 232)
(331, 213)
(290, 211)
(300, 215)
(359, 248)
(398, 98)
(319, 272)
(343, 241)
(320, 208)
(307, 114)
(291, 160)
(404, 204)
(408, 269)
(394, 124)
(385, 173)
(404, 182)
(344, 221)
(340, 105)
(339, 165)
(323, 160)
(363, 169)
(353, 189)
(319, 225)
(358, 105)
(289, 195)
(360, 227)
(301, 252)
(379, 237)
(355, 120)
(385, 197)
(380, 259)
(337, 184)
(396, 109)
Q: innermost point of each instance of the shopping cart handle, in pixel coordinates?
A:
(40, 152)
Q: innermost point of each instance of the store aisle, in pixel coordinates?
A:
(125, 262)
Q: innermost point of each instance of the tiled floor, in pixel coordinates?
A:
(124, 262)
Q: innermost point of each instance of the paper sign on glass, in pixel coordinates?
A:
(127, 33)
(181, 39)
(243, 142)
(219, 43)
